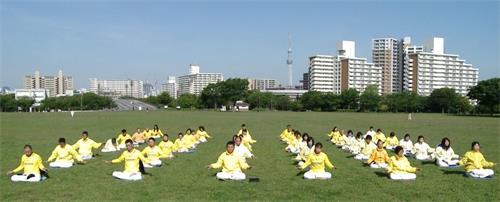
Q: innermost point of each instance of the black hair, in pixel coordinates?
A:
(237, 137)
(311, 139)
(243, 125)
(229, 143)
(244, 130)
(368, 137)
(371, 127)
(474, 144)
(359, 134)
(128, 141)
(151, 138)
(113, 140)
(305, 135)
(318, 145)
(379, 141)
(155, 128)
(28, 146)
(443, 145)
(334, 127)
(420, 136)
(62, 140)
(179, 134)
(379, 130)
(288, 125)
(392, 134)
(124, 131)
(85, 132)
(407, 135)
(398, 149)
(201, 128)
(349, 131)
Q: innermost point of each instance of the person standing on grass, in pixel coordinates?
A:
(475, 163)
(63, 156)
(399, 167)
(122, 137)
(317, 162)
(85, 145)
(133, 163)
(379, 157)
(231, 163)
(31, 164)
(445, 156)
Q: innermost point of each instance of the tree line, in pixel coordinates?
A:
(86, 101)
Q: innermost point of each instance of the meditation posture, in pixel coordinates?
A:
(399, 167)
(422, 150)
(122, 137)
(63, 156)
(379, 157)
(407, 145)
(110, 146)
(202, 135)
(317, 162)
(231, 163)
(133, 160)
(31, 165)
(445, 156)
(153, 154)
(475, 164)
(391, 142)
(166, 147)
(138, 137)
(366, 149)
(85, 145)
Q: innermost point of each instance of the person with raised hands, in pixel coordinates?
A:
(133, 163)
(231, 163)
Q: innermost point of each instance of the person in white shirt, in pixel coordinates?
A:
(407, 145)
(445, 156)
(370, 132)
(422, 150)
(241, 150)
(110, 146)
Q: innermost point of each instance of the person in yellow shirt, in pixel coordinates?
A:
(153, 154)
(366, 149)
(138, 137)
(247, 138)
(399, 167)
(189, 139)
(294, 146)
(391, 142)
(475, 163)
(317, 162)
(147, 133)
(287, 132)
(166, 147)
(379, 157)
(133, 163)
(231, 163)
(306, 151)
(122, 137)
(179, 144)
(63, 156)
(379, 136)
(445, 156)
(110, 146)
(202, 135)
(156, 132)
(334, 135)
(31, 164)
(85, 145)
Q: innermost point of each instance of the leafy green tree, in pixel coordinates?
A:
(369, 99)
(187, 100)
(443, 100)
(349, 99)
(8, 103)
(312, 100)
(487, 94)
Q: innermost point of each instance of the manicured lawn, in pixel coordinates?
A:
(186, 178)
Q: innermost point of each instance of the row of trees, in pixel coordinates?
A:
(87, 101)
(444, 100)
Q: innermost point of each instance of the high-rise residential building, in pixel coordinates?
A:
(305, 81)
(170, 87)
(408, 48)
(329, 73)
(358, 73)
(195, 81)
(117, 88)
(262, 84)
(59, 85)
(385, 54)
(433, 69)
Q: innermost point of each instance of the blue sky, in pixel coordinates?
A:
(152, 40)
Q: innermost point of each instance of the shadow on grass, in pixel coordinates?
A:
(350, 156)
(381, 174)
(427, 162)
(454, 172)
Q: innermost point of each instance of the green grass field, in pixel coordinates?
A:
(186, 178)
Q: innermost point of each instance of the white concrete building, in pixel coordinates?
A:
(117, 88)
(433, 69)
(358, 73)
(35, 94)
(262, 84)
(59, 85)
(170, 87)
(195, 82)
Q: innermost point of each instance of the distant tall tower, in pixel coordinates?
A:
(289, 62)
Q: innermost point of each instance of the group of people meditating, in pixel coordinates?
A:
(370, 147)
(65, 155)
